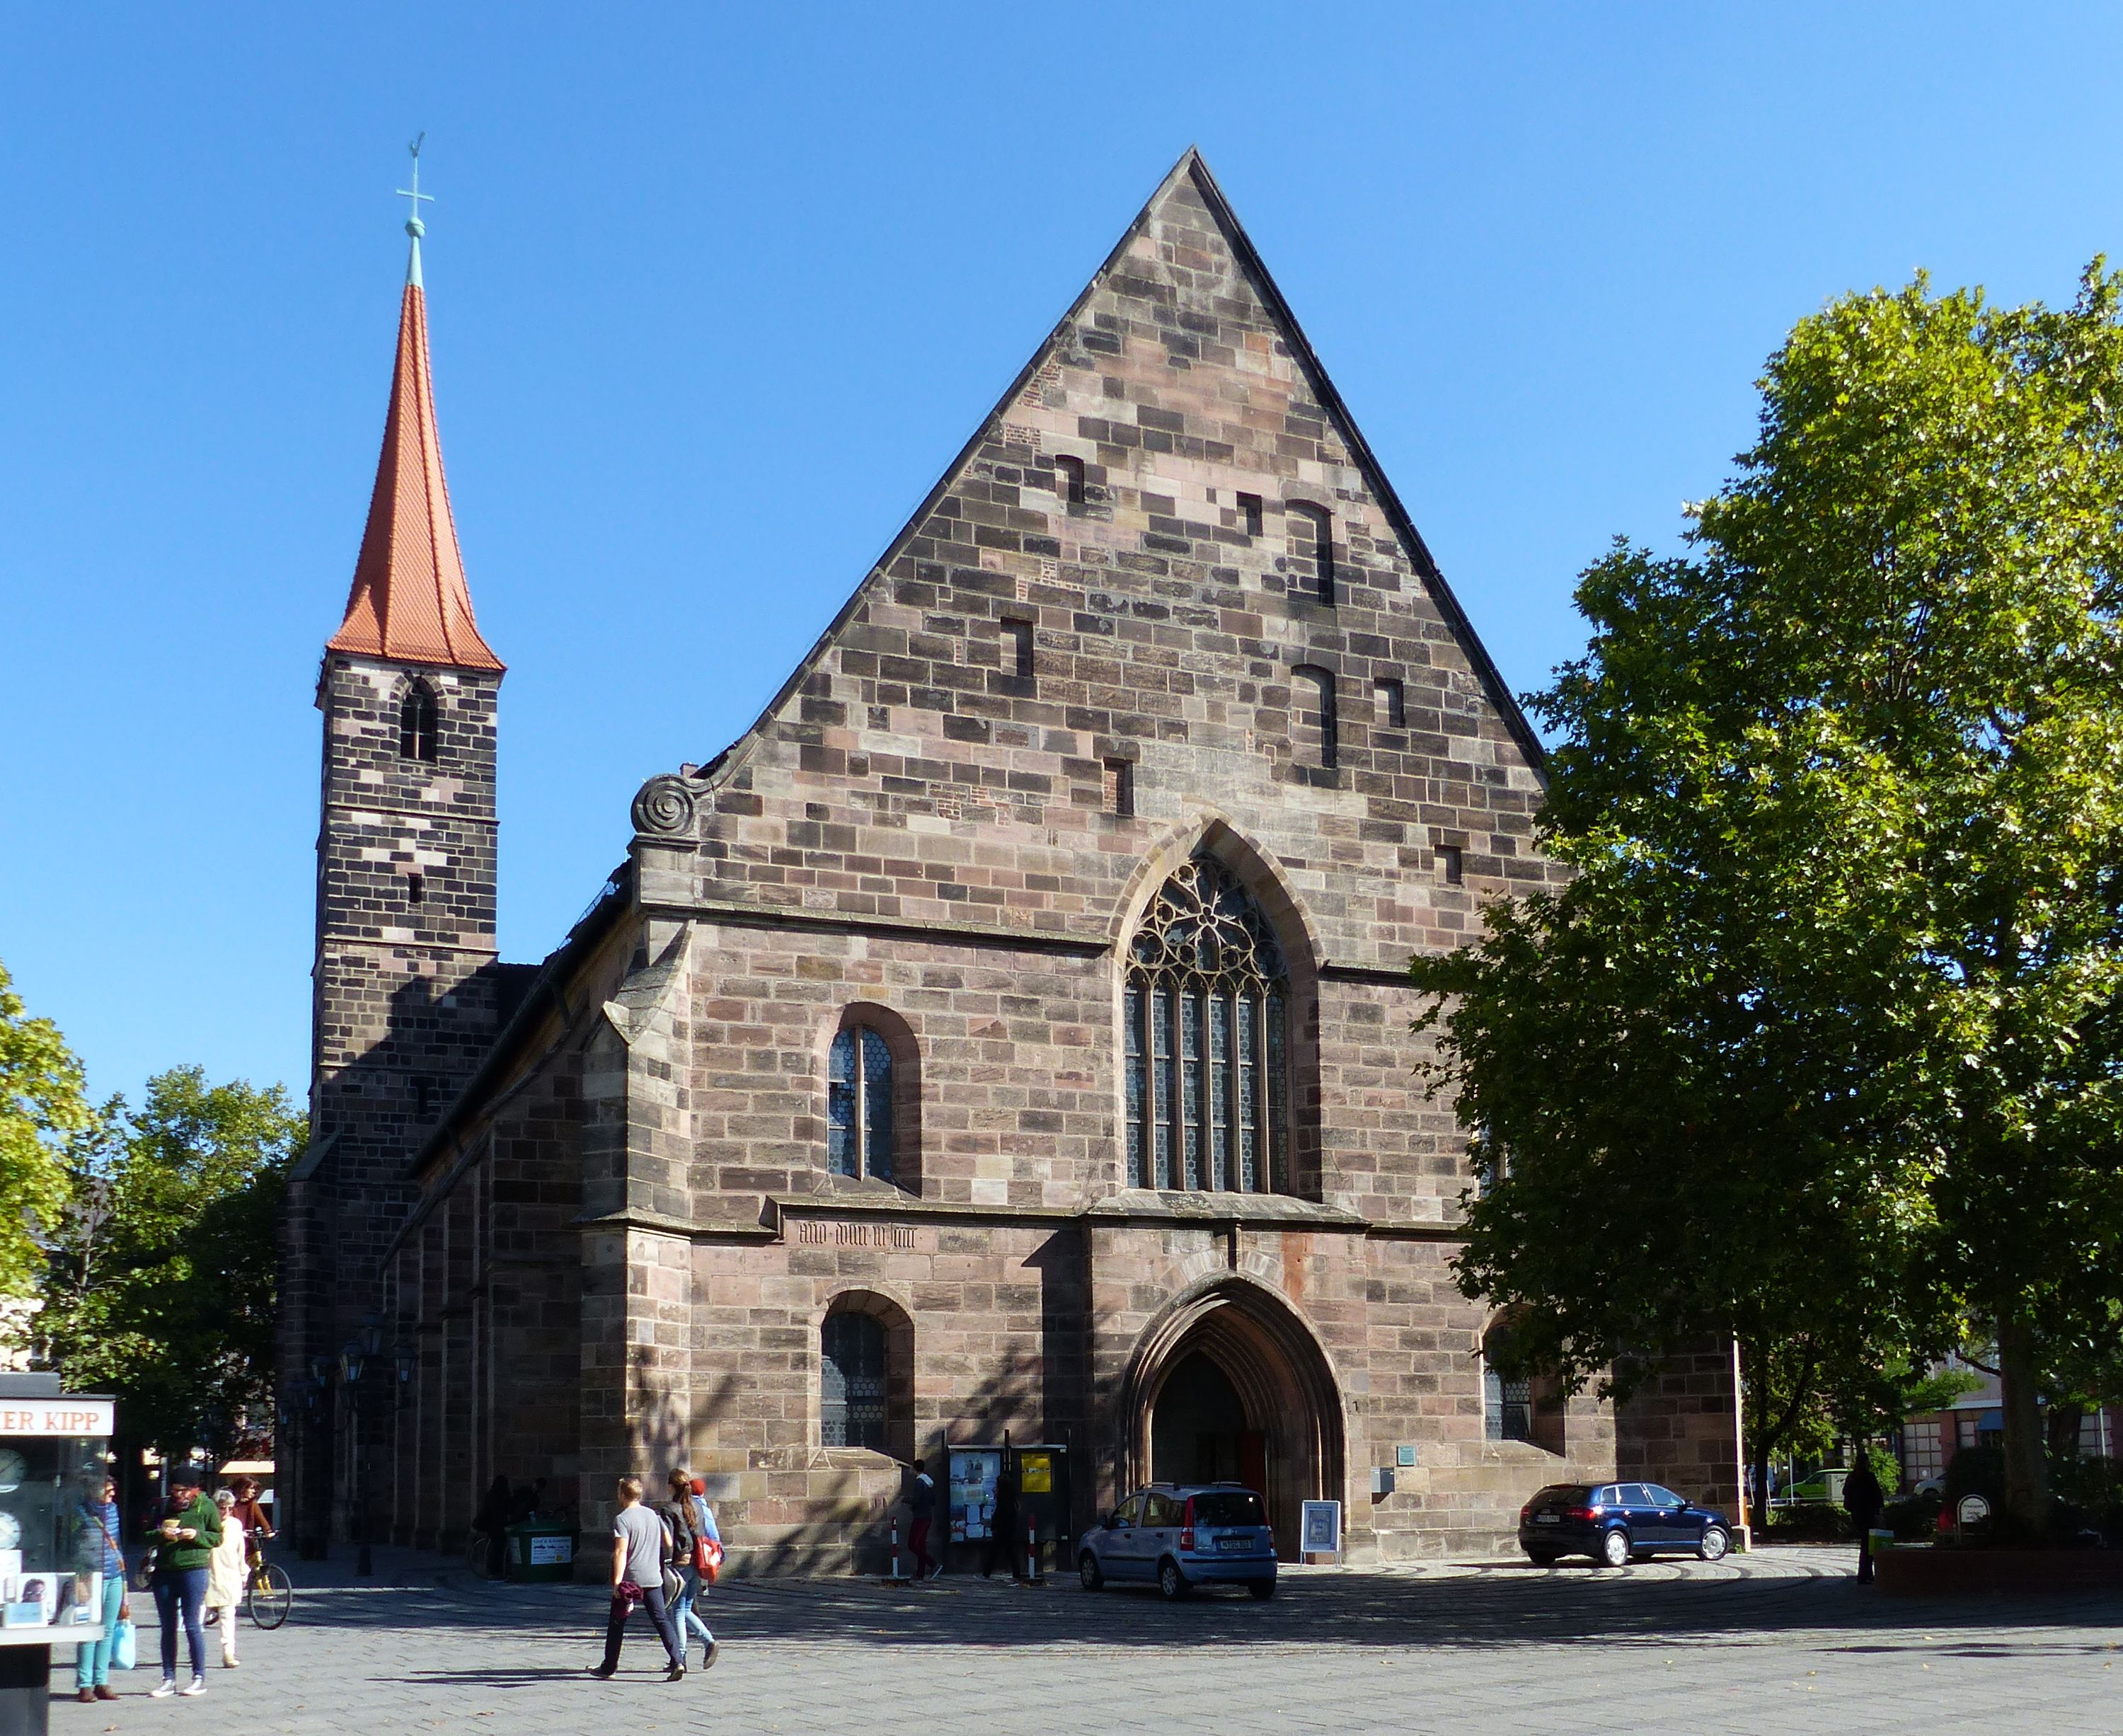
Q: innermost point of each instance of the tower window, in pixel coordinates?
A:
(1393, 705)
(1452, 864)
(417, 723)
(1118, 791)
(1316, 723)
(858, 1132)
(1069, 479)
(1250, 514)
(1321, 523)
(1017, 647)
(424, 1092)
(416, 887)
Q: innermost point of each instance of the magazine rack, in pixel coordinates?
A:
(54, 1454)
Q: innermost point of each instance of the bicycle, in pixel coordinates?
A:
(479, 1556)
(268, 1594)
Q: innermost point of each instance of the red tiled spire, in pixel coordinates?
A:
(410, 601)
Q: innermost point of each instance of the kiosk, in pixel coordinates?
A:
(54, 1454)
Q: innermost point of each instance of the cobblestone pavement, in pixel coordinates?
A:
(1780, 1640)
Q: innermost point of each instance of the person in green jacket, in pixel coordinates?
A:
(182, 1534)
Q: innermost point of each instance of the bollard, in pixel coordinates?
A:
(1032, 1553)
(898, 1578)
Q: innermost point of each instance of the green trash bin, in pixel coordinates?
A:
(540, 1551)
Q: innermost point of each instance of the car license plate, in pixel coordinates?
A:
(1547, 1518)
(1236, 1546)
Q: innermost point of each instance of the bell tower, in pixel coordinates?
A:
(404, 1001)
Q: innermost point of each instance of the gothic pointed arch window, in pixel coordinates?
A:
(1207, 1047)
(418, 723)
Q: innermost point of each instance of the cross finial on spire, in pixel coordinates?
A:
(413, 227)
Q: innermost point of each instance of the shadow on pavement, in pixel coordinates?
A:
(1486, 1609)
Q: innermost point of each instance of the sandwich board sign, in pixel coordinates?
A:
(1319, 1528)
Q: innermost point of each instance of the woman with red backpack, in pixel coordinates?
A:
(696, 1552)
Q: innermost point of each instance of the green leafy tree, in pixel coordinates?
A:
(1825, 1036)
(160, 1284)
(42, 1109)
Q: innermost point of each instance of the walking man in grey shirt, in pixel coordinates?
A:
(638, 1544)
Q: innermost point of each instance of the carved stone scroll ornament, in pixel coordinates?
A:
(663, 806)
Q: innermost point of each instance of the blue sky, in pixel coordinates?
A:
(715, 292)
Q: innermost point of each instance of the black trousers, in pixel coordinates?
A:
(1005, 1539)
(659, 1613)
(1865, 1553)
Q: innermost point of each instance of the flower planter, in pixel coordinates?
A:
(1961, 1573)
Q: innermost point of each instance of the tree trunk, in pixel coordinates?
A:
(2027, 1464)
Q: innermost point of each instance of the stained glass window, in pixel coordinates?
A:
(858, 1119)
(851, 1393)
(1205, 1050)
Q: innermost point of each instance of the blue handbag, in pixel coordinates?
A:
(124, 1644)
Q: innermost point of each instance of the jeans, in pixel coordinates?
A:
(92, 1662)
(918, 1540)
(184, 1588)
(684, 1609)
(615, 1628)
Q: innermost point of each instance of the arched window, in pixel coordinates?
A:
(417, 723)
(1206, 1049)
(852, 1396)
(1506, 1404)
(858, 1123)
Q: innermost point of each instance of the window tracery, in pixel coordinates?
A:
(1206, 1007)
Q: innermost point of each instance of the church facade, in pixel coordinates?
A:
(1008, 1034)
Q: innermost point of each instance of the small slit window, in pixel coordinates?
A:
(1069, 479)
(1452, 865)
(1118, 792)
(1393, 704)
(417, 723)
(416, 889)
(1017, 649)
(1316, 543)
(1250, 514)
(1312, 698)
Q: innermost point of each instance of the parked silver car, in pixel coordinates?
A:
(1178, 1536)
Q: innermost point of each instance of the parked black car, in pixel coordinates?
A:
(1618, 1523)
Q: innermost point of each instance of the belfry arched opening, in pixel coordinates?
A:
(1229, 1385)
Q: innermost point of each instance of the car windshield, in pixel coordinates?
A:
(1229, 1507)
(1573, 1493)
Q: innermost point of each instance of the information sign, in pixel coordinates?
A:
(1319, 1528)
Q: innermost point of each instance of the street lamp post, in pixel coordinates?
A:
(353, 1364)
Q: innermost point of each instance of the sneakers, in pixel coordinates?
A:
(603, 1672)
(676, 1672)
(165, 1691)
(708, 1658)
(197, 1685)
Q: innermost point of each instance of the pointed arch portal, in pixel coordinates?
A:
(1228, 1383)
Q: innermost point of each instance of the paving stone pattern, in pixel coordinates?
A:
(1780, 1641)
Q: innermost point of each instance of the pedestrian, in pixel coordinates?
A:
(492, 1521)
(640, 1541)
(1862, 1500)
(182, 1531)
(256, 1527)
(224, 1575)
(1002, 1528)
(682, 1513)
(921, 1508)
(100, 1554)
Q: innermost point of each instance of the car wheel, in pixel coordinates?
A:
(1714, 1544)
(1541, 1557)
(1171, 1581)
(1614, 1548)
(1088, 1570)
(1261, 1590)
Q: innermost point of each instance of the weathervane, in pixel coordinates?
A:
(413, 227)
